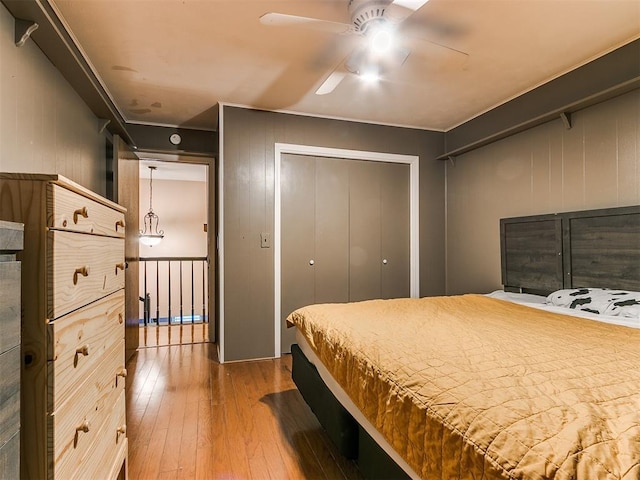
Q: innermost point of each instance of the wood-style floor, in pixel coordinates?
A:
(154, 336)
(191, 418)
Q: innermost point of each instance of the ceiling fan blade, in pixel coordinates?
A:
(397, 57)
(331, 82)
(282, 20)
(399, 10)
(356, 60)
(454, 55)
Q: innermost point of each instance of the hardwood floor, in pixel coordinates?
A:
(191, 418)
(154, 336)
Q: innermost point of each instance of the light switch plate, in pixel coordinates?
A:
(265, 240)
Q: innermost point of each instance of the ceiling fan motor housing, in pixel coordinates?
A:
(367, 12)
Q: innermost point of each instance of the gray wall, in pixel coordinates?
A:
(44, 125)
(248, 138)
(595, 164)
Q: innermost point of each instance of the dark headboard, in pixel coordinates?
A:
(591, 248)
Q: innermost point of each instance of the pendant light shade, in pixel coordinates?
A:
(151, 236)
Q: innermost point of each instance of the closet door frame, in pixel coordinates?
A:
(414, 223)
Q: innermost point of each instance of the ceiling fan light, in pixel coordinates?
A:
(381, 40)
(370, 76)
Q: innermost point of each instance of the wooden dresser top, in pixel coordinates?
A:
(64, 182)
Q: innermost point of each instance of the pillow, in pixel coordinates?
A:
(626, 306)
(598, 300)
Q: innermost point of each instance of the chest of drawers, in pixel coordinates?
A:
(73, 402)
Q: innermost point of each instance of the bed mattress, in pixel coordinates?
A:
(476, 387)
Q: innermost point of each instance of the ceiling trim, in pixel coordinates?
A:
(547, 80)
(563, 114)
(611, 75)
(157, 139)
(168, 125)
(54, 41)
(330, 117)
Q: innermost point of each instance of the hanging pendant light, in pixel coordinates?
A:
(150, 236)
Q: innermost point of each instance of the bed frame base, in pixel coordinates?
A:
(351, 440)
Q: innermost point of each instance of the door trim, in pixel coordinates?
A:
(414, 218)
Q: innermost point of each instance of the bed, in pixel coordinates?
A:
(541, 380)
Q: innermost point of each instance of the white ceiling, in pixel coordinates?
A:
(169, 62)
(170, 169)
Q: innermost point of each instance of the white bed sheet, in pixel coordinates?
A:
(538, 301)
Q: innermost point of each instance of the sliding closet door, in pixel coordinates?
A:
(364, 208)
(379, 230)
(332, 231)
(297, 233)
(315, 234)
(395, 245)
(344, 232)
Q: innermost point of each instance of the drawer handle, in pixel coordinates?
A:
(119, 266)
(84, 271)
(84, 427)
(122, 430)
(121, 373)
(83, 350)
(120, 223)
(81, 212)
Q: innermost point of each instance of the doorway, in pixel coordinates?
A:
(174, 275)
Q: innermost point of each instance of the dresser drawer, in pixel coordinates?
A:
(71, 211)
(9, 394)
(78, 423)
(9, 305)
(83, 268)
(10, 458)
(79, 342)
(106, 455)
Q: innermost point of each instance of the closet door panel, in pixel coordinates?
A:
(395, 230)
(332, 231)
(364, 226)
(297, 189)
(345, 229)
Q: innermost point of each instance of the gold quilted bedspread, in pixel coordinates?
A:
(475, 387)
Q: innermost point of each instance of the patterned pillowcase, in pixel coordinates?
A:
(598, 300)
(628, 306)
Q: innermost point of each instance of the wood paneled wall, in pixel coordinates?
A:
(44, 125)
(128, 184)
(248, 138)
(595, 164)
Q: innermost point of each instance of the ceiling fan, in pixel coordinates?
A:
(375, 23)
